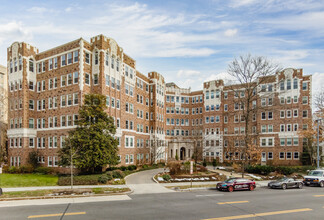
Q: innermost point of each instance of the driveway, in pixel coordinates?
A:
(142, 182)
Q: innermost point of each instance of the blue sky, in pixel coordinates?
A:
(187, 41)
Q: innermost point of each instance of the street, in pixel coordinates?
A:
(306, 203)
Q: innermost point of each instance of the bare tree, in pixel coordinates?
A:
(319, 100)
(250, 73)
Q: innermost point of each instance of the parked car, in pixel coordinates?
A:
(314, 177)
(285, 183)
(232, 184)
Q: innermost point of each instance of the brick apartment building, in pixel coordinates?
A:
(155, 120)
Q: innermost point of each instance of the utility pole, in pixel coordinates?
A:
(318, 156)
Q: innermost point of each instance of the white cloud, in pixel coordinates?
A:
(317, 82)
(13, 31)
(37, 10)
(68, 9)
(230, 32)
(188, 73)
(228, 79)
(240, 3)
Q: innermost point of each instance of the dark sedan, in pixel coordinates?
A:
(285, 183)
(232, 184)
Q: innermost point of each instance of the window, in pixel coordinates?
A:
(63, 80)
(296, 155)
(288, 155)
(295, 113)
(282, 85)
(69, 79)
(75, 56)
(305, 114)
(31, 123)
(95, 79)
(304, 86)
(263, 115)
(69, 58)
(270, 155)
(75, 77)
(305, 100)
(282, 155)
(270, 115)
(87, 79)
(87, 58)
(282, 114)
(295, 83)
(288, 113)
(282, 142)
(288, 84)
(296, 142)
(31, 104)
(63, 61)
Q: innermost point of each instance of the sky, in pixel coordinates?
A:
(188, 42)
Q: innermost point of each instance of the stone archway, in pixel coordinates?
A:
(182, 153)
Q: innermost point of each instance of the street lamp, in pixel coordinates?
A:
(318, 156)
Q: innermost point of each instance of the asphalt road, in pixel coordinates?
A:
(274, 204)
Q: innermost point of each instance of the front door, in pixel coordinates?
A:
(263, 157)
(182, 153)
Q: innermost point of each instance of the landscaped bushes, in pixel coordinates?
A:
(44, 170)
(78, 180)
(123, 168)
(285, 170)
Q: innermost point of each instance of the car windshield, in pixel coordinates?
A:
(229, 180)
(315, 173)
(282, 179)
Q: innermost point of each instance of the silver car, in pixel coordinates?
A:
(285, 183)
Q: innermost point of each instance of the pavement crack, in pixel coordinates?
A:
(65, 211)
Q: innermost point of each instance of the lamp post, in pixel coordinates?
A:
(318, 156)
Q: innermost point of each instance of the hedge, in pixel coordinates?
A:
(285, 170)
(78, 180)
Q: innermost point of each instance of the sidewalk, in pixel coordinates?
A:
(258, 183)
(17, 189)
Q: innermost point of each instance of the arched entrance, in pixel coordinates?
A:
(182, 153)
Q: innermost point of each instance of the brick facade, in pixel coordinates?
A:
(155, 120)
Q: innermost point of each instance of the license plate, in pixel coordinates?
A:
(308, 182)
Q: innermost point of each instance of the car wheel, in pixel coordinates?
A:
(251, 188)
(230, 188)
(284, 186)
(321, 184)
(300, 185)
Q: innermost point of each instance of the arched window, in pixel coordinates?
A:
(31, 65)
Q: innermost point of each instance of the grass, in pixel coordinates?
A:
(193, 186)
(25, 180)
(41, 193)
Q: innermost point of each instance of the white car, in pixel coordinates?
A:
(314, 177)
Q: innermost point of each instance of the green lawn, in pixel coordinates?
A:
(24, 180)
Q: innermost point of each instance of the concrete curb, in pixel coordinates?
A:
(64, 197)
